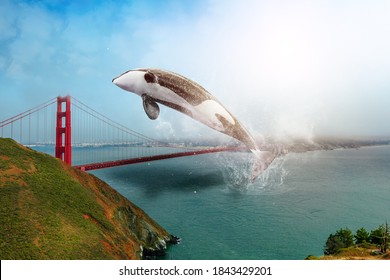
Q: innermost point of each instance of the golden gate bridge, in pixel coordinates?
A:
(80, 136)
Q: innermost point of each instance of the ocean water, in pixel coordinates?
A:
(286, 214)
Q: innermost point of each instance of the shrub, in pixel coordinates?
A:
(311, 257)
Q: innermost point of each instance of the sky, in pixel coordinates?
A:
(285, 69)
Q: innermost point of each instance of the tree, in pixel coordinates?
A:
(380, 236)
(362, 236)
(377, 235)
(343, 238)
(333, 245)
(386, 239)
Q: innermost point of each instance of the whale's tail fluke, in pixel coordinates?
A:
(262, 159)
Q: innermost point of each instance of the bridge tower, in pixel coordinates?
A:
(63, 149)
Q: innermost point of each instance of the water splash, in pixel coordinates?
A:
(237, 173)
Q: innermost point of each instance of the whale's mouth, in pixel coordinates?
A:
(117, 82)
(122, 82)
(116, 79)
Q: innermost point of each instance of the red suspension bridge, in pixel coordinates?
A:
(80, 136)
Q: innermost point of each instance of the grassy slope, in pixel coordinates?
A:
(366, 252)
(358, 253)
(49, 210)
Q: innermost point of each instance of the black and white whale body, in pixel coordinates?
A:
(186, 96)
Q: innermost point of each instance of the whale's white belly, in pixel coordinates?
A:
(206, 112)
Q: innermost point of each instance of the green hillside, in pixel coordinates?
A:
(49, 210)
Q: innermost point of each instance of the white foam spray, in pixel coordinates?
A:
(237, 172)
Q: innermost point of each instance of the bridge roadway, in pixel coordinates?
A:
(107, 164)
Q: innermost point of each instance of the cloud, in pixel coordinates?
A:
(164, 130)
(317, 64)
(282, 68)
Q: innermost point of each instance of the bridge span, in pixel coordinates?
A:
(66, 124)
(107, 164)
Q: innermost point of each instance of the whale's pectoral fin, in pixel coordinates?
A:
(151, 108)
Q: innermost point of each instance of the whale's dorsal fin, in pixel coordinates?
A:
(151, 107)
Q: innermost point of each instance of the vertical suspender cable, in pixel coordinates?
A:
(21, 132)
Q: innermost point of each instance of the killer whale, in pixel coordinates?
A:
(188, 97)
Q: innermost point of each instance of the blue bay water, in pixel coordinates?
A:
(288, 214)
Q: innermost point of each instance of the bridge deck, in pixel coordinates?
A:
(107, 164)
